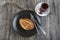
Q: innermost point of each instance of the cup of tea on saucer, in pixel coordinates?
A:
(42, 9)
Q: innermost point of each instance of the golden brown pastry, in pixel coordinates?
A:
(26, 23)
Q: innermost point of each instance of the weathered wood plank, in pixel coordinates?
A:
(57, 6)
(3, 22)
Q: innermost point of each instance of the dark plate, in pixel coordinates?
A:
(18, 28)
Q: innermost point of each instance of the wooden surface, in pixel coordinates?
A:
(50, 23)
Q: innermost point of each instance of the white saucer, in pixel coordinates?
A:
(43, 13)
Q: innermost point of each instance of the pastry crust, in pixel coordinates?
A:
(26, 23)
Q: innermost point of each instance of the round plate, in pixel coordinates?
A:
(37, 10)
(18, 28)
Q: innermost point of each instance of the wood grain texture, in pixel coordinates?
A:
(50, 23)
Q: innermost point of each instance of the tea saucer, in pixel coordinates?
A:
(43, 13)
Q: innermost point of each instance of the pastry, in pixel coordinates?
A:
(26, 23)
